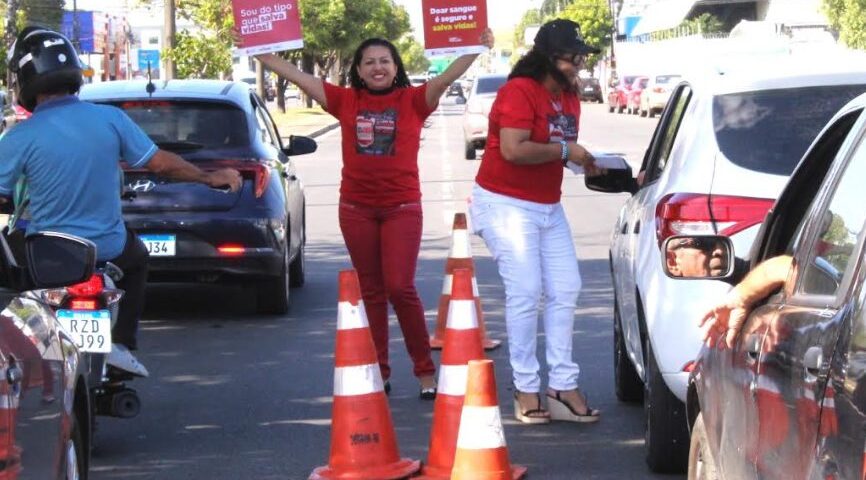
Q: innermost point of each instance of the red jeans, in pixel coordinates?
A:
(384, 244)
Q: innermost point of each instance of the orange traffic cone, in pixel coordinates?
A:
(363, 443)
(460, 256)
(481, 451)
(462, 344)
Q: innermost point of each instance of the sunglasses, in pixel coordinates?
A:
(576, 59)
(698, 243)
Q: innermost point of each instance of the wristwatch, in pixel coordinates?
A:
(563, 154)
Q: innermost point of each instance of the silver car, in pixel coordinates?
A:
(478, 105)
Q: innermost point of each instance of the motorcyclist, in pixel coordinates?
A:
(69, 154)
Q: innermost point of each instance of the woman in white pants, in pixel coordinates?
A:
(516, 209)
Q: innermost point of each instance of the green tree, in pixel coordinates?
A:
(596, 24)
(848, 17)
(412, 54)
(550, 8)
(44, 12)
(531, 17)
(704, 23)
(205, 52)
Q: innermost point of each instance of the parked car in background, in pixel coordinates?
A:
(589, 89)
(196, 233)
(45, 406)
(635, 94)
(455, 89)
(787, 401)
(270, 90)
(12, 112)
(722, 151)
(478, 105)
(656, 94)
(417, 80)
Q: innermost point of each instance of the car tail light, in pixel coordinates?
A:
(231, 249)
(689, 367)
(260, 174)
(659, 90)
(700, 214)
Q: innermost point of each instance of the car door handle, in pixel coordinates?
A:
(636, 227)
(813, 360)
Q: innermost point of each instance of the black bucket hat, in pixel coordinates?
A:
(562, 36)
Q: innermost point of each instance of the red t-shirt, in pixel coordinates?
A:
(525, 104)
(381, 138)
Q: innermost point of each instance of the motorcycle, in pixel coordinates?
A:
(87, 312)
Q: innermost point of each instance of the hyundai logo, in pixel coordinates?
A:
(142, 185)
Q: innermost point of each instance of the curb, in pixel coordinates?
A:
(323, 130)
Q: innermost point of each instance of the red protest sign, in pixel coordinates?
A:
(267, 25)
(454, 27)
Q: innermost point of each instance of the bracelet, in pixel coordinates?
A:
(563, 154)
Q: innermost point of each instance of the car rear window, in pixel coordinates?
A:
(490, 84)
(189, 126)
(769, 131)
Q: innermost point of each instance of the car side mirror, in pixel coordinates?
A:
(461, 100)
(58, 260)
(617, 177)
(299, 145)
(703, 257)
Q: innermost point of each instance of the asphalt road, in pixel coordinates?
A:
(234, 395)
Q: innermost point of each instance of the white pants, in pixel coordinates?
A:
(531, 243)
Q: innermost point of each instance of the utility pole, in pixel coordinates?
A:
(168, 42)
(76, 27)
(11, 33)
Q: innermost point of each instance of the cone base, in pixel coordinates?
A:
(517, 473)
(489, 344)
(397, 470)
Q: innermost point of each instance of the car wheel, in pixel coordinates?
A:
(610, 108)
(76, 468)
(620, 108)
(470, 152)
(651, 113)
(702, 466)
(298, 267)
(272, 295)
(627, 383)
(666, 433)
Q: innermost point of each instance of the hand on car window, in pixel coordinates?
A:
(724, 321)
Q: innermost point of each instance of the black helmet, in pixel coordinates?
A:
(43, 61)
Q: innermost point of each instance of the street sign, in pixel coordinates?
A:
(145, 56)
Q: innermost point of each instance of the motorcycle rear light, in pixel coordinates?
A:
(689, 367)
(231, 250)
(83, 304)
(91, 288)
(54, 297)
(701, 214)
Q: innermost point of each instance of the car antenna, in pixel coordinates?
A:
(150, 88)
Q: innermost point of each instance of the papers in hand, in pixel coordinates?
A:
(609, 161)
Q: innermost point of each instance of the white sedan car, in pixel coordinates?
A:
(724, 147)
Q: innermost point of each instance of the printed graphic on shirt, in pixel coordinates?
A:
(375, 132)
(562, 127)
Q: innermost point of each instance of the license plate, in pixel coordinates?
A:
(91, 329)
(159, 245)
(587, 89)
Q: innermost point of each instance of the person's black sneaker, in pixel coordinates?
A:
(427, 393)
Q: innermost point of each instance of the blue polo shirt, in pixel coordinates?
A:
(69, 153)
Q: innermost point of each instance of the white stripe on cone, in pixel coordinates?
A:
(460, 246)
(351, 316)
(452, 380)
(461, 315)
(357, 380)
(480, 429)
(448, 282)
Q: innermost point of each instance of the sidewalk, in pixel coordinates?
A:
(310, 122)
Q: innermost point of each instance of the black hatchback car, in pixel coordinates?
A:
(197, 233)
(789, 399)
